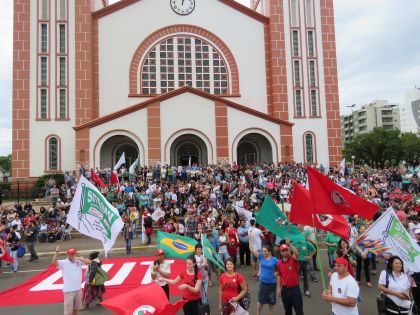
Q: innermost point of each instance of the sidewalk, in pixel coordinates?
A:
(85, 245)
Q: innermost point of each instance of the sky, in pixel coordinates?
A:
(378, 54)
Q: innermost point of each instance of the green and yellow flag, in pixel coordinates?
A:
(210, 253)
(176, 246)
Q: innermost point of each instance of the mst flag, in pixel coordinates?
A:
(176, 246)
(96, 179)
(329, 198)
(387, 237)
(147, 299)
(210, 253)
(92, 215)
(302, 212)
(274, 220)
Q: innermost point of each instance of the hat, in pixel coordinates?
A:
(71, 251)
(283, 247)
(160, 251)
(417, 231)
(342, 261)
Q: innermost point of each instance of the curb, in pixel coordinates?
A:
(117, 250)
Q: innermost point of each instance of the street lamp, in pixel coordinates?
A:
(352, 162)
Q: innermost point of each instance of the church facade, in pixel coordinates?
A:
(206, 81)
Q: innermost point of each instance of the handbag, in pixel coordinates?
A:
(21, 251)
(381, 298)
(101, 276)
(245, 302)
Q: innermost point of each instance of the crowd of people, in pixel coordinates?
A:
(195, 200)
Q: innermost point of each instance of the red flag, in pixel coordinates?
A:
(329, 198)
(146, 299)
(302, 211)
(4, 253)
(96, 179)
(115, 182)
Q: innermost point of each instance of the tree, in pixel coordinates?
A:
(376, 148)
(6, 162)
(411, 147)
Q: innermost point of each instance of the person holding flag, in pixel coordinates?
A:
(288, 279)
(192, 279)
(160, 269)
(203, 267)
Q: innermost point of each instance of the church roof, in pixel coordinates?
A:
(232, 3)
(182, 90)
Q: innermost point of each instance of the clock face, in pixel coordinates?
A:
(182, 7)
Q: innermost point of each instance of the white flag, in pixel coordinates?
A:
(143, 231)
(388, 237)
(120, 162)
(133, 166)
(157, 214)
(242, 211)
(342, 166)
(92, 215)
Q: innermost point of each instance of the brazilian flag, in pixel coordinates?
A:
(176, 246)
(210, 253)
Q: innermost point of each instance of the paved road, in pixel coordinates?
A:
(312, 306)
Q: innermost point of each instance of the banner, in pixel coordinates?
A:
(92, 215)
(139, 301)
(387, 237)
(120, 162)
(176, 246)
(210, 253)
(124, 274)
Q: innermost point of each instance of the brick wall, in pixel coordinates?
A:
(83, 75)
(222, 141)
(153, 134)
(331, 82)
(20, 115)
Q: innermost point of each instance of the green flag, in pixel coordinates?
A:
(210, 253)
(176, 246)
(274, 220)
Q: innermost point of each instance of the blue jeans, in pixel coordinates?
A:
(128, 246)
(223, 256)
(15, 264)
(204, 287)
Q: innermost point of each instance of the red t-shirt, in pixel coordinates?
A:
(230, 285)
(289, 272)
(189, 280)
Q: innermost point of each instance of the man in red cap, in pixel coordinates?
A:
(288, 279)
(71, 267)
(161, 269)
(343, 290)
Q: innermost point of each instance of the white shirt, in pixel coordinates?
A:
(18, 223)
(256, 237)
(222, 248)
(398, 284)
(165, 267)
(411, 228)
(344, 288)
(72, 274)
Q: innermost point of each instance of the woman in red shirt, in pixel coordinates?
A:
(233, 238)
(232, 287)
(191, 285)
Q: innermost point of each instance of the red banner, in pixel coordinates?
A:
(124, 274)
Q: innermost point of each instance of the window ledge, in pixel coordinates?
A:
(43, 119)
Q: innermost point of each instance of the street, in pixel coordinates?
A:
(312, 306)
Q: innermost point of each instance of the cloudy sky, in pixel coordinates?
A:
(378, 52)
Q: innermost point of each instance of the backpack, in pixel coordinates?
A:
(21, 251)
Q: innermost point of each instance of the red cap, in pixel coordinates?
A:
(283, 247)
(160, 251)
(342, 261)
(71, 251)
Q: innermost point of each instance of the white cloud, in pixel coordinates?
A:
(6, 36)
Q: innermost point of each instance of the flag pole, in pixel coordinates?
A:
(318, 253)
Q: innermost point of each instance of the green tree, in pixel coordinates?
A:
(411, 147)
(6, 162)
(376, 148)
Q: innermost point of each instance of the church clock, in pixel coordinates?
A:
(182, 7)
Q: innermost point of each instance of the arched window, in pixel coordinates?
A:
(309, 148)
(53, 151)
(184, 60)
